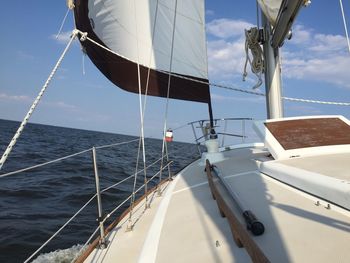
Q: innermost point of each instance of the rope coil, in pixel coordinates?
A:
(257, 63)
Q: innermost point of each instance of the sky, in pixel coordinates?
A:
(315, 65)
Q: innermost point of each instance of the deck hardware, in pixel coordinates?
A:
(129, 227)
(253, 224)
(317, 203)
(217, 243)
(328, 206)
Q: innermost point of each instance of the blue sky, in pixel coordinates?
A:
(315, 64)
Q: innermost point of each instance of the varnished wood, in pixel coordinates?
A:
(303, 133)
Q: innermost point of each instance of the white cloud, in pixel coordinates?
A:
(25, 98)
(328, 43)
(226, 52)
(226, 28)
(304, 109)
(319, 57)
(63, 37)
(209, 12)
(255, 99)
(226, 58)
(300, 35)
(19, 98)
(23, 55)
(333, 70)
(62, 105)
(309, 55)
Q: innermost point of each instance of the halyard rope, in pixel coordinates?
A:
(36, 101)
(225, 86)
(257, 63)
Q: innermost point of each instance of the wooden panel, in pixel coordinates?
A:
(303, 133)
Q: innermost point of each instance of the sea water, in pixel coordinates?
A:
(36, 203)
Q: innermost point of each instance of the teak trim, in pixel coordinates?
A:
(239, 233)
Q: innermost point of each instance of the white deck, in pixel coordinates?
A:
(326, 176)
(184, 225)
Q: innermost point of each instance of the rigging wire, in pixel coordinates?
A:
(260, 93)
(142, 113)
(164, 144)
(63, 22)
(65, 157)
(142, 136)
(344, 21)
(142, 108)
(83, 63)
(223, 86)
(36, 101)
(257, 14)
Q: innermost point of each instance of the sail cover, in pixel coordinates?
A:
(141, 32)
(270, 9)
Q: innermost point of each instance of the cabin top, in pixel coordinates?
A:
(305, 136)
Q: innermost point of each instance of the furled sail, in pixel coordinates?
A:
(270, 9)
(160, 36)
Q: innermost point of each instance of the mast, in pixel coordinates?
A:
(273, 40)
(272, 74)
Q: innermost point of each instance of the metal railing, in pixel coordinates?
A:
(221, 128)
(101, 218)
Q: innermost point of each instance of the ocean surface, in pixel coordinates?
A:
(34, 204)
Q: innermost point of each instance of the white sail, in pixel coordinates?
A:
(127, 27)
(270, 9)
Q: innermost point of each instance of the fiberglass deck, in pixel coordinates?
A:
(184, 225)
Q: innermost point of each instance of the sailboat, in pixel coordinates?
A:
(285, 199)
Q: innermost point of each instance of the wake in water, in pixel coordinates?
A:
(59, 256)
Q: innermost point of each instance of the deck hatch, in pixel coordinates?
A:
(305, 136)
(303, 133)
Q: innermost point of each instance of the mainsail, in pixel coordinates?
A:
(159, 36)
(271, 9)
(281, 15)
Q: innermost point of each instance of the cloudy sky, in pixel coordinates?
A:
(315, 65)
